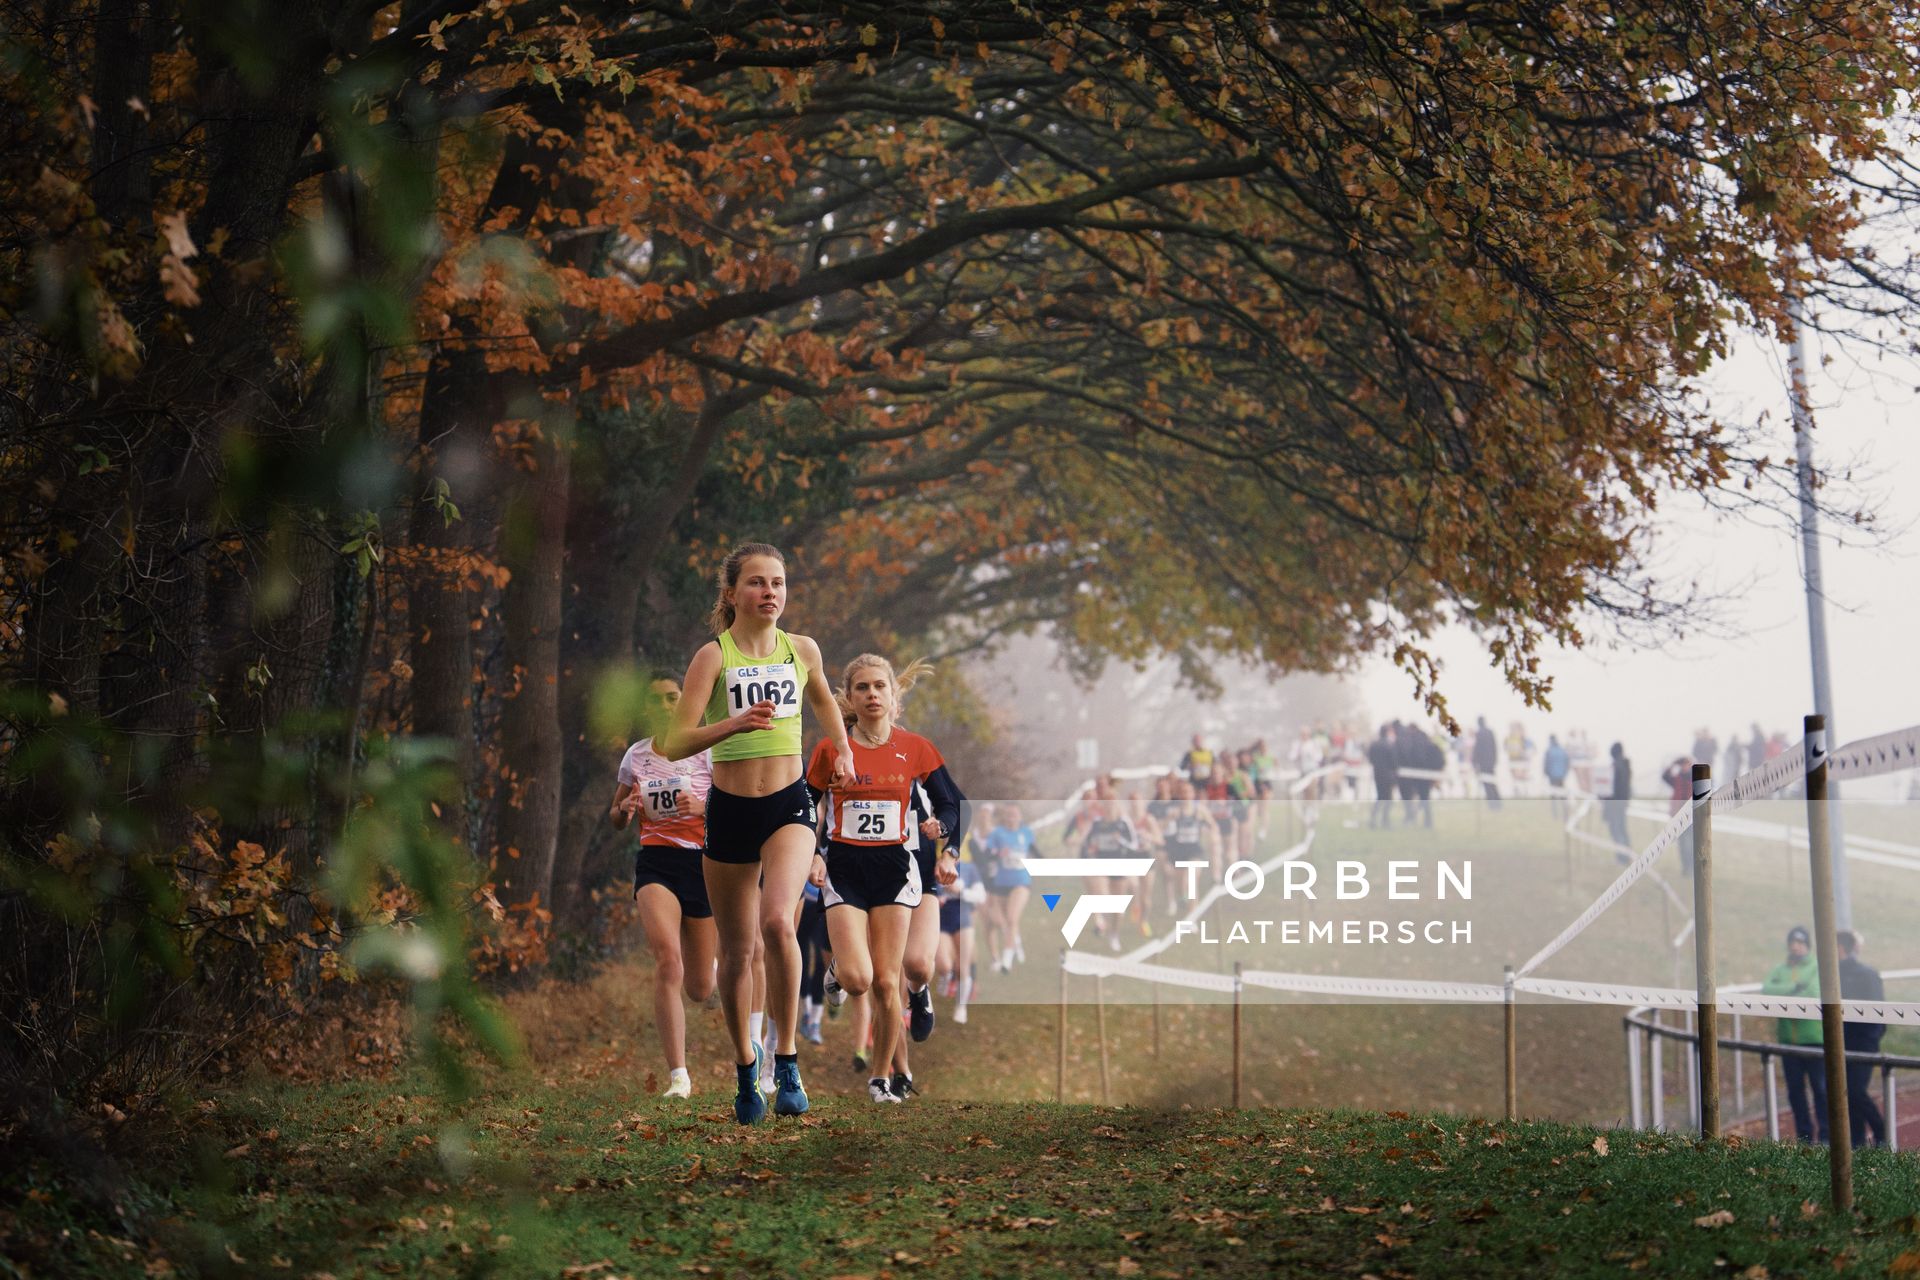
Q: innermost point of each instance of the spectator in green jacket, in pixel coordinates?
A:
(1806, 1076)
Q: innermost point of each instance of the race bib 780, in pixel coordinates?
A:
(668, 797)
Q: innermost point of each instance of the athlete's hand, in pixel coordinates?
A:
(843, 769)
(946, 869)
(931, 828)
(755, 718)
(697, 806)
(818, 875)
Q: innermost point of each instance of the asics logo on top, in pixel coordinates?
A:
(1094, 904)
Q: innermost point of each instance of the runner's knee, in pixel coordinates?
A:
(667, 966)
(776, 931)
(854, 981)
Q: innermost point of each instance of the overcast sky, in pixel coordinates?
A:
(1654, 700)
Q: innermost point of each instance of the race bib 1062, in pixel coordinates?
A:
(870, 821)
(775, 682)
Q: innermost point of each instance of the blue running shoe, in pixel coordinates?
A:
(920, 1013)
(789, 1097)
(748, 1105)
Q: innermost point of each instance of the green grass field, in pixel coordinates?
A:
(582, 1174)
(1364, 1149)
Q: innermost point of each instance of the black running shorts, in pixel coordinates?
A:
(679, 871)
(924, 857)
(737, 826)
(869, 876)
(955, 915)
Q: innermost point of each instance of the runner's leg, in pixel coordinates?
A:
(1015, 905)
(786, 858)
(963, 967)
(699, 943)
(733, 889)
(660, 917)
(887, 928)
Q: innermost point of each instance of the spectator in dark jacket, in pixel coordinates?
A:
(1861, 981)
(1486, 754)
(1614, 803)
(1386, 770)
(1412, 749)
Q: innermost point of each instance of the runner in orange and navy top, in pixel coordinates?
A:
(870, 880)
(668, 801)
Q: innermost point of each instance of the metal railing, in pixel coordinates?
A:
(1647, 1035)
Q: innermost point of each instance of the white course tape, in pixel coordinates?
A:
(1740, 1000)
(1305, 780)
(1762, 781)
(1891, 1012)
(1093, 966)
(1886, 853)
(1677, 824)
(1383, 988)
(1888, 753)
(1608, 993)
(1123, 868)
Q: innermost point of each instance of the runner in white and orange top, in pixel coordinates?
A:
(668, 799)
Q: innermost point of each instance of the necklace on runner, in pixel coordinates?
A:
(869, 739)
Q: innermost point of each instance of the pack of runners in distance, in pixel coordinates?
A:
(744, 853)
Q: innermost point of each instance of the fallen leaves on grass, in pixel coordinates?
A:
(1718, 1218)
(1478, 1213)
(1600, 1145)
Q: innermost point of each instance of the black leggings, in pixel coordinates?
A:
(814, 950)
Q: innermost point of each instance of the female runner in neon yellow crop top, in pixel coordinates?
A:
(747, 687)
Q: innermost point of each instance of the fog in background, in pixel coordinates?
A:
(1751, 663)
(1746, 660)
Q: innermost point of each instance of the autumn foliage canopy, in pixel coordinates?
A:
(380, 379)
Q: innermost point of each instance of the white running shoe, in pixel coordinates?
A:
(1019, 952)
(959, 1015)
(878, 1090)
(1006, 961)
(836, 994)
(681, 1086)
(1113, 940)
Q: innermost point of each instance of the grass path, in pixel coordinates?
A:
(349, 1180)
(569, 1168)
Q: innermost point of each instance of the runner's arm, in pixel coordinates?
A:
(949, 806)
(825, 709)
(619, 813)
(686, 736)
